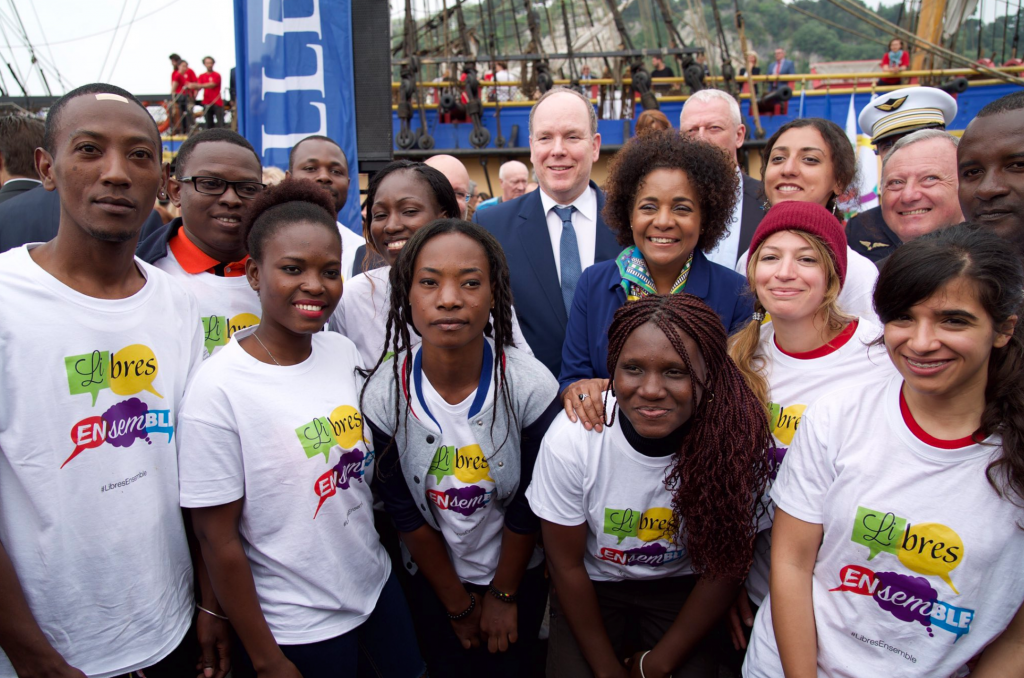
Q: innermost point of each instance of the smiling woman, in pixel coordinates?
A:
(669, 200)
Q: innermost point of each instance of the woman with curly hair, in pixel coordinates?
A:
(812, 160)
(276, 468)
(669, 200)
(649, 523)
(899, 519)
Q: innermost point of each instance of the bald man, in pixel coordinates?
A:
(514, 177)
(453, 170)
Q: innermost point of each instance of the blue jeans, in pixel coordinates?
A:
(383, 646)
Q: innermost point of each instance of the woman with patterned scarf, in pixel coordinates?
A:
(669, 199)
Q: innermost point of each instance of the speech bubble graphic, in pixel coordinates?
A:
(441, 464)
(466, 500)
(655, 523)
(214, 332)
(88, 373)
(240, 322)
(856, 579)
(932, 549)
(649, 554)
(133, 369)
(621, 523)
(350, 467)
(951, 618)
(325, 487)
(878, 530)
(470, 464)
(89, 433)
(347, 426)
(316, 438)
(159, 421)
(786, 422)
(906, 597)
(126, 423)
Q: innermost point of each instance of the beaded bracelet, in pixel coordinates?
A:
(465, 613)
(503, 597)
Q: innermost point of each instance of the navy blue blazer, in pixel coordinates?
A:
(522, 229)
(599, 294)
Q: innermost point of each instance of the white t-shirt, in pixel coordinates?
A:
(920, 565)
(225, 304)
(460, 488)
(350, 244)
(362, 315)
(290, 439)
(795, 383)
(89, 396)
(597, 478)
(855, 297)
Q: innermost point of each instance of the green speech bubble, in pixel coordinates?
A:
(774, 412)
(878, 530)
(88, 373)
(317, 438)
(215, 331)
(441, 464)
(621, 523)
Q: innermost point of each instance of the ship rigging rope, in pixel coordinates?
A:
(108, 30)
(43, 33)
(831, 23)
(113, 39)
(117, 59)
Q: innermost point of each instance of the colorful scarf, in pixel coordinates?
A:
(636, 279)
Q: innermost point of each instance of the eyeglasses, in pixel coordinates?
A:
(463, 197)
(216, 186)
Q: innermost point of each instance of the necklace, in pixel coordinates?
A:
(266, 349)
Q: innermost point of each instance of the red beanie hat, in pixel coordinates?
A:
(809, 217)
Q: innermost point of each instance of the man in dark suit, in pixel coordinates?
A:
(781, 66)
(20, 136)
(714, 116)
(550, 235)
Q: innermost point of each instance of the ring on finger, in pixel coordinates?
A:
(583, 396)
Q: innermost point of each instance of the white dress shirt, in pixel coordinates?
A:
(584, 223)
(727, 251)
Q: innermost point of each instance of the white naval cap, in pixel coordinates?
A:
(906, 110)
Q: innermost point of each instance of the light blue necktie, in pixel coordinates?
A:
(568, 256)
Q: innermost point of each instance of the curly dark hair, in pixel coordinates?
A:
(919, 269)
(397, 337)
(711, 173)
(719, 475)
(844, 160)
(291, 201)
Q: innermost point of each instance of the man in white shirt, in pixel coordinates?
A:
(713, 116)
(551, 235)
(320, 159)
(455, 172)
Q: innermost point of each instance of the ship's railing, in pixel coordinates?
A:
(788, 78)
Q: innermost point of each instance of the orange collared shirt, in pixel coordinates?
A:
(194, 260)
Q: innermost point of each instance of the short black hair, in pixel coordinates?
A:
(206, 136)
(1010, 102)
(289, 202)
(175, 56)
(20, 135)
(210, 58)
(55, 112)
(440, 189)
(711, 173)
(312, 137)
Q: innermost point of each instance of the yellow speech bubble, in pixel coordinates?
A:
(786, 422)
(655, 523)
(470, 464)
(241, 321)
(932, 549)
(133, 369)
(347, 425)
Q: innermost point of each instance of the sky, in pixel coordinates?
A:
(126, 42)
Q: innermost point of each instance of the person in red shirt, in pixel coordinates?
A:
(213, 104)
(181, 95)
(895, 60)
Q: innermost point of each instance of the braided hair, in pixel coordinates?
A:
(397, 338)
(720, 473)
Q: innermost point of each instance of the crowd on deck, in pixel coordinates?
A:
(687, 423)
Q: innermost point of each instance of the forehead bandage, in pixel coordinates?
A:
(104, 96)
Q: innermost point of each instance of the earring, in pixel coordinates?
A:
(835, 203)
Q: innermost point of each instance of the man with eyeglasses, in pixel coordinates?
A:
(453, 170)
(217, 177)
(888, 118)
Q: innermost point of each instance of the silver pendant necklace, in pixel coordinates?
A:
(266, 349)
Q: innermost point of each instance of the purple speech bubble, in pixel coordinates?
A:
(350, 467)
(907, 598)
(466, 500)
(126, 423)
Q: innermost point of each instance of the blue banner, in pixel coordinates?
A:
(294, 78)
